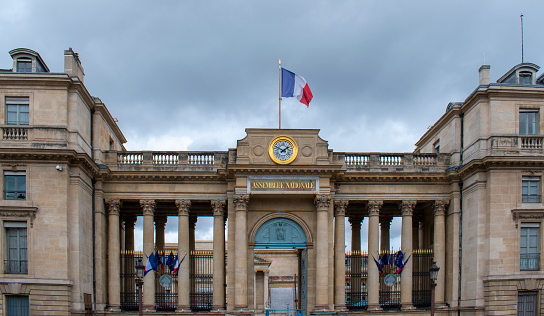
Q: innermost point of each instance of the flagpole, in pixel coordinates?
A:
(279, 92)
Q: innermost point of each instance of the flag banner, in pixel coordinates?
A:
(151, 263)
(295, 86)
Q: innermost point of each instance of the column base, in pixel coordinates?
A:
(374, 308)
(340, 308)
(183, 309)
(407, 307)
(114, 308)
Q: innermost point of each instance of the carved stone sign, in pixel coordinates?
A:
(282, 184)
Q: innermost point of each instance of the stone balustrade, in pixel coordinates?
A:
(394, 161)
(181, 159)
(15, 133)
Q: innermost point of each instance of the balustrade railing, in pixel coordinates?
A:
(201, 158)
(130, 158)
(165, 158)
(531, 142)
(15, 133)
(356, 160)
(391, 160)
(379, 160)
(424, 160)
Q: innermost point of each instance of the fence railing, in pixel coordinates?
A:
(15, 133)
(201, 278)
(389, 295)
(170, 158)
(388, 160)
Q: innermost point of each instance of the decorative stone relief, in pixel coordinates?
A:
(183, 207)
(340, 207)
(241, 201)
(218, 207)
(524, 214)
(440, 207)
(322, 201)
(114, 206)
(148, 206)
(374, 207)
(407, 207)
(20, 212)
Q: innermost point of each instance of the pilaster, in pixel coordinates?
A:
(373, 289)
(114, 265)
(148, 209)
(322, 203)
(439, 250)
(241, 202)
(184, 285)
(218, 254)
(340, 255)
(407, 211)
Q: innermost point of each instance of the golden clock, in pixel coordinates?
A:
(283, 150)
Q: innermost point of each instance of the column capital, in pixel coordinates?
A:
(440, 207)
(385, 221)
(374, 207)
(183, 207)
(160, 220)
(130, 221)
(355, 220)
(192, 221)
(114, 206)
(340, 207)
(241, 202)
(148, 206)
(218, 207)
(322, 201)
(407, 207)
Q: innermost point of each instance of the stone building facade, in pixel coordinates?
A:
(470, 194)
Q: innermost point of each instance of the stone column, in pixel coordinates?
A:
(322, 203)
(373, 280)
(439, 249)
(240, 260)
(160, 223)
(148, 207)
(355, 222)
(192, 225)
(184, 285)
(407, 210)
(415, 233)
(101, 246)
(129, 248)
(266, 289)
(385, 225)
(114, 273)
(130, 221)
(340, 255)
(218, 254)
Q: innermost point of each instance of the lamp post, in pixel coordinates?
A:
(140, 282)
(433, 275)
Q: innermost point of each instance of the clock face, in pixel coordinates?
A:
(283, 150)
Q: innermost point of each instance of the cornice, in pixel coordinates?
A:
(23, 155)
(397, 178)
(234, 170)
(500, 162)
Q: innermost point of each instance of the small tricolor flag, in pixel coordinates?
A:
(295, 86)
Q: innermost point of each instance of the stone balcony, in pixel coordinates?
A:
(394, 162)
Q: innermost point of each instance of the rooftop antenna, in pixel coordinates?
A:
(521, 17)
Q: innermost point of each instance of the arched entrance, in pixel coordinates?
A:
(284, 233)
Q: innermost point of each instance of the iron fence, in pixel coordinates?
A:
(356, 277)
(129, 290)
(201, 278)
(389, 296)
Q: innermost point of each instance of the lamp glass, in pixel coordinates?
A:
(139, 269)
(433, 272)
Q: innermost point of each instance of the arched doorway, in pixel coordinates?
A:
(283, 233)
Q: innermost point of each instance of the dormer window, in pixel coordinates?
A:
(525, 77)
(24, 65)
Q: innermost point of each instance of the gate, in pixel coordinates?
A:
(421, 282)
(356, 277)
(201, 277)
(129, 291)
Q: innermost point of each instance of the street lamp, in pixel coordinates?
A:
(140, 282)
(433, 275)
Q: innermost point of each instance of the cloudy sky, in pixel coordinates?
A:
(192, 75)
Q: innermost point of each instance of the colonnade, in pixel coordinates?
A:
(153, 239)
(323, 203)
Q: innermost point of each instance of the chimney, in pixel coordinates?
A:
(484, 75)
(72, 64)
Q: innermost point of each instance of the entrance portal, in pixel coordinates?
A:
(282, 242)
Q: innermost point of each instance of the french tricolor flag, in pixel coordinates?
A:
(295, 86)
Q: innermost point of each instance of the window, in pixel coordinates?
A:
(527, 303)
(112, 144)
(17, 305)
(16, 256)
(525, 77)
(24, 65)
(17, 110)
(529, 247)
(436, 146)
(530, 190)
(14, 185)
